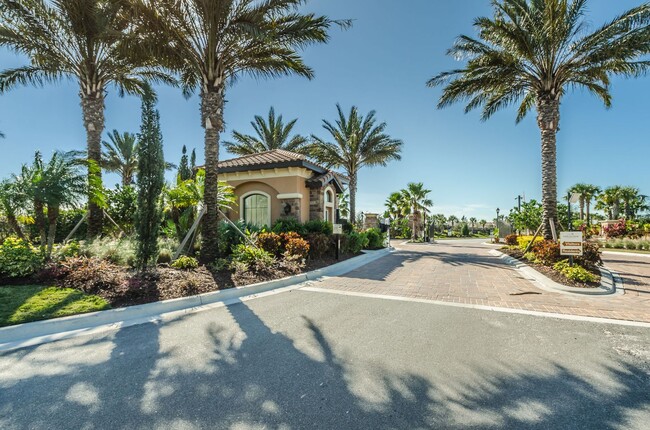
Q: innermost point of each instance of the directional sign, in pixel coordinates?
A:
(571, 243)
(337, 229)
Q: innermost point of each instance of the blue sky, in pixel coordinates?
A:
(382, 63)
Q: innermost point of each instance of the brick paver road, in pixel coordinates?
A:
(465, 272)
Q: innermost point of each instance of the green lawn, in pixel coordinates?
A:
(24, 303)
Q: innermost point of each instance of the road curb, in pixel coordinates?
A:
(38, 332)
(627, 254)
(609, 283)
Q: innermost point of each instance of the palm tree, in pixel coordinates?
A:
(610, 201)
(453, 219)
(633, 202)
(483, 223)
(50, 186)
(84, 40)
(395, 205)
(532, 52)
(121, 155)
(590, 193)
(211, 43)
(416, 197)
(182, 201)
(586, 193)
(472, 222)
(12, 200)
(271, 134)
(63, 184)
(358, 142)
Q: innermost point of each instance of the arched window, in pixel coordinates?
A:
(256, 209)
(329, 206)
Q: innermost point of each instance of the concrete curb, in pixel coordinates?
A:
(38, 332)
(609, 283)
(630, 254)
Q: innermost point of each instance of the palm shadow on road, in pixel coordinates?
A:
(240, 373)
(383, 268)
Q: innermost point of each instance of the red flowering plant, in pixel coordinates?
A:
(617, 230)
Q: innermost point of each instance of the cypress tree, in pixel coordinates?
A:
(193, 163)
(184, 172)
(151, 179)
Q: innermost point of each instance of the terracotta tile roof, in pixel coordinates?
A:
(276, 156)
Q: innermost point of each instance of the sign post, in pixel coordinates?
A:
(337, 229)
(571, 244)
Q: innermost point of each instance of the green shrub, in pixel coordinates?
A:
(319, 244)
(532, 257)
(164, 256)
(297, 248)
(18, 258)
(353, 243)
(375, 238)
(70, 249)
(464, 230)
(286, 225)
(246, 254)
(117, 251)
(270, 242)
(512, 240)
(523, 241)
(185, 263)
(575, 273)
(318, 227)
(229, 237)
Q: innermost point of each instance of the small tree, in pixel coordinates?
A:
(184, 172)
(151, 179)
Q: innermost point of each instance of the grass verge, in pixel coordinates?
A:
(24, 303)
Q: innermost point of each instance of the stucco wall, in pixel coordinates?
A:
(275, 186)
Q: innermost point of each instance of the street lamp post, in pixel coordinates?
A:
(497, 223)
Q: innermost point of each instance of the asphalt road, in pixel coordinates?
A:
(308, 360)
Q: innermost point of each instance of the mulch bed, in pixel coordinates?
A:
(123, 287)
(551, 273)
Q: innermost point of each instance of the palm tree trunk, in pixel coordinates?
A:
(353, 197)
(15, 226)
(212, 101)
(39, 208)
(548, 118)
(582, 208)
(92, 107)
(52, 216)
(587, 204)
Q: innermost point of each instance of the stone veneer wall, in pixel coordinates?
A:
(295, 209)
(316, 203)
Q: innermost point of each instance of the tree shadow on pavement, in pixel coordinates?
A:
(239, 373)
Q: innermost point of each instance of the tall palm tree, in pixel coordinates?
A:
(416, 197)
(532, 52)
(121, 155)
(483, 223)
(83, 40)
(453, 219)
(211, 43)
(358, 142)
(271, 134)
(610, 201)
